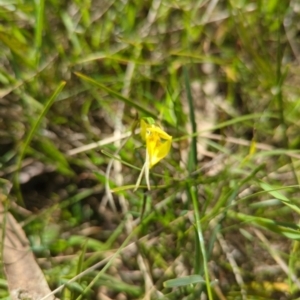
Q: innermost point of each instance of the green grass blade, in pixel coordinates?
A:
(272, 191)
(200, 238)
(192, 191)
(117, 95)
(109, 263)
(193, 150)
(288, 230)
(40, 7)
(235, 121)
(30, 135)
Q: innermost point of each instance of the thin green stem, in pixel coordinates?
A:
(193, 194)
(192, 190)
(40, 7)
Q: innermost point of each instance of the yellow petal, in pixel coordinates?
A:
(162, 134)
(158, 144)
(163, 150)
(159, 153)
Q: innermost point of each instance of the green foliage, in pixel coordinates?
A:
(221, 78)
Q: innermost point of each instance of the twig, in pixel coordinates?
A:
(234, 266)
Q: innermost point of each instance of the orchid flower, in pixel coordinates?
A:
(158, 144)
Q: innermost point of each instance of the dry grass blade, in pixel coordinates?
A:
(24, 276)
(276, 257)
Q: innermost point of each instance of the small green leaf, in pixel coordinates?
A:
(183, 281)
(276, 194)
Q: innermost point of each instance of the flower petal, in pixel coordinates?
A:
(158, 144)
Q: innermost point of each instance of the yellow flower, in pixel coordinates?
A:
(158, 144)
